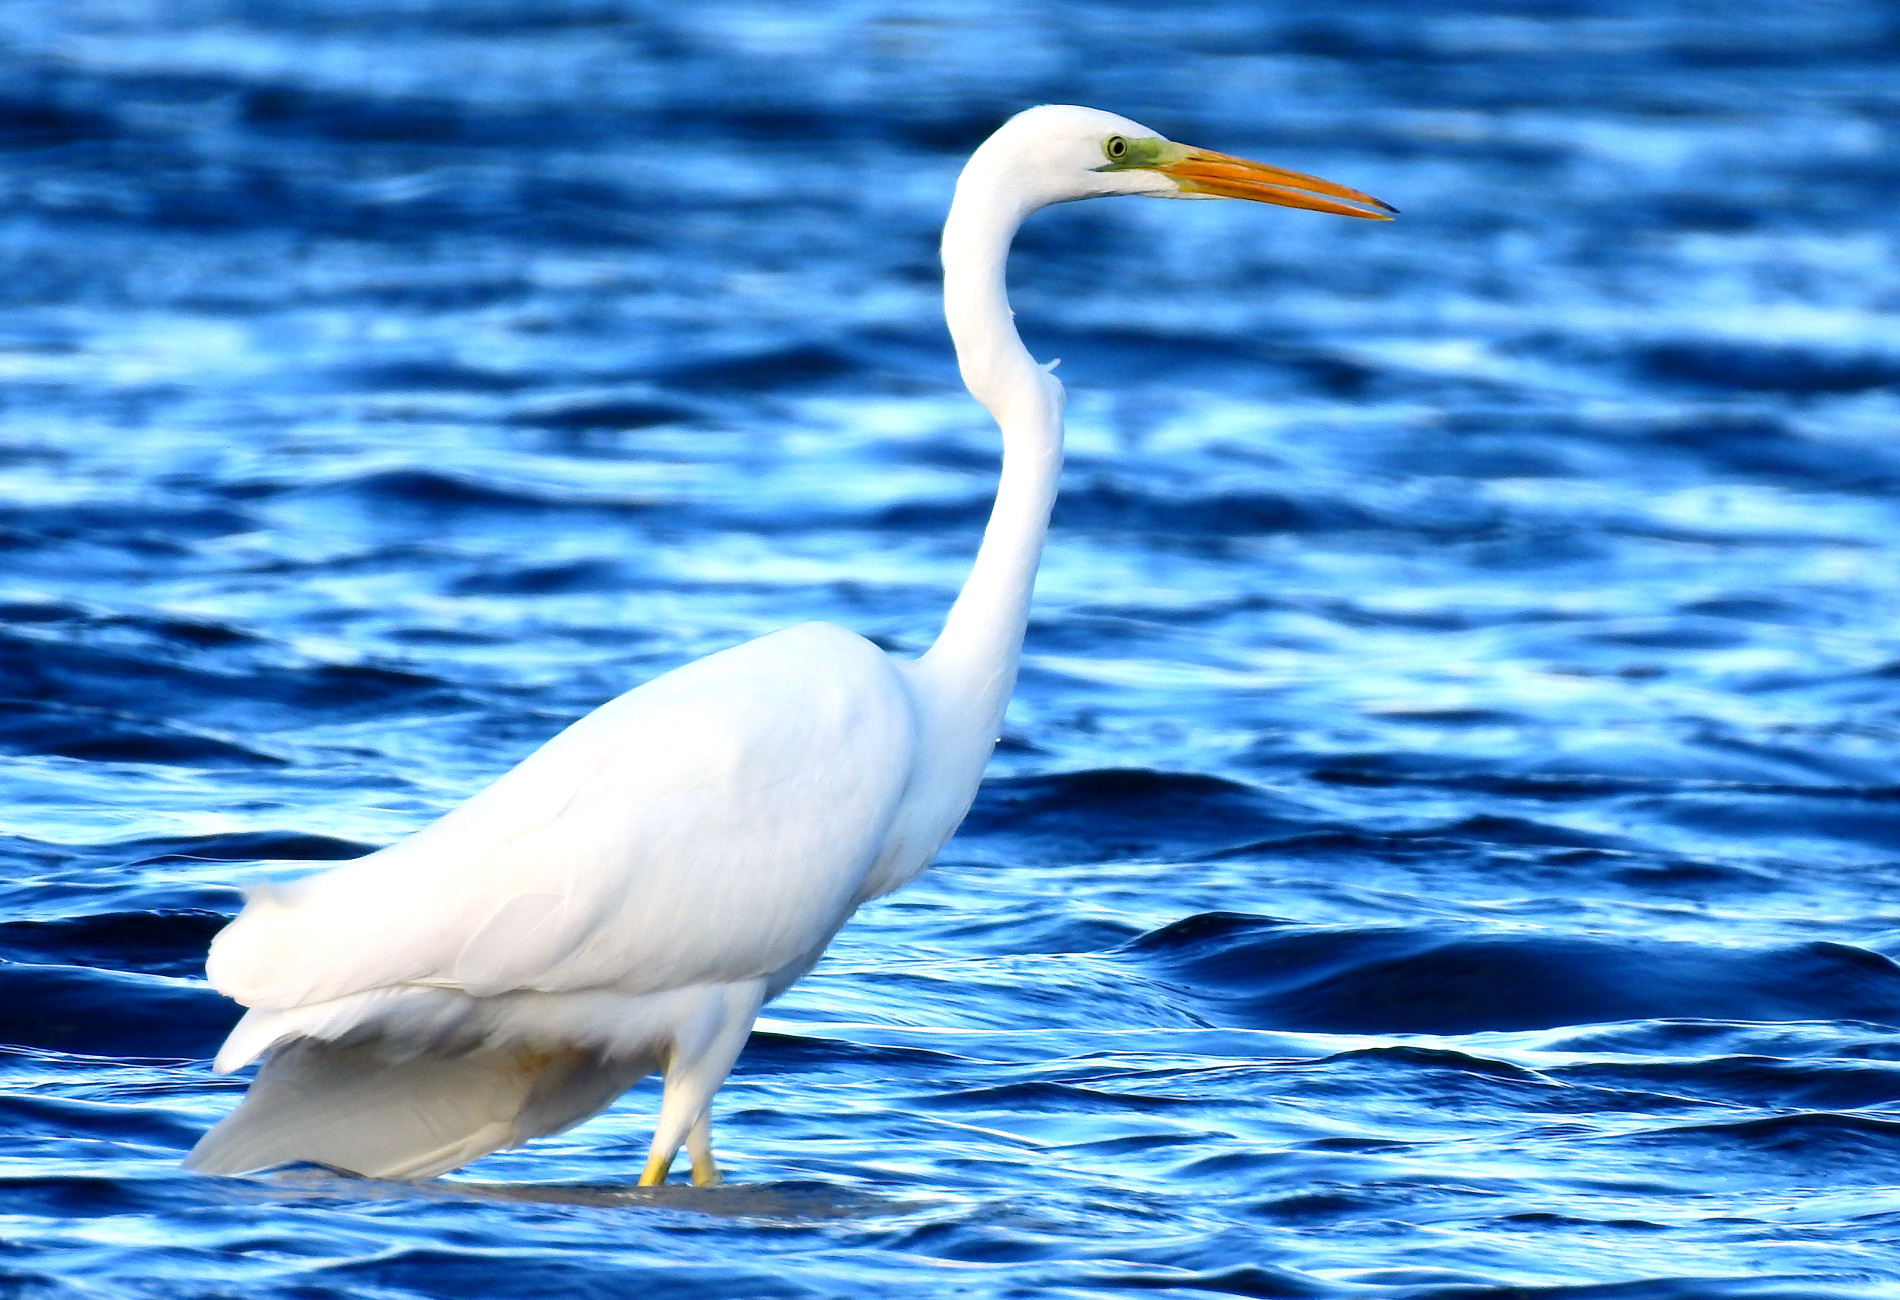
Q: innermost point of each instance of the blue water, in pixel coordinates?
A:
(1447, 840)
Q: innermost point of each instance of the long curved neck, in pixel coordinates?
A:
(974, 659)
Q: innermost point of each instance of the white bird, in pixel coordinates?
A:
(630, 895)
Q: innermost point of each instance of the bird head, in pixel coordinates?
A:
(1060, 152)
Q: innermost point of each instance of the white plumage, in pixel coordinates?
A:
(630, 895)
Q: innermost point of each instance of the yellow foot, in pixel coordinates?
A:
(706, 1173)
(657, 1170)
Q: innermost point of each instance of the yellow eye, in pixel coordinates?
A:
(1115, 147)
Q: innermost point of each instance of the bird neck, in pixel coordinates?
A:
(974, 659)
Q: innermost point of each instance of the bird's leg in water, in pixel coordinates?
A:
(699, 1146)
(698, 1135)
(702, 1057)
(657, 1166)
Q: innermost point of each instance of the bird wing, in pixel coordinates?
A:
(716, 824)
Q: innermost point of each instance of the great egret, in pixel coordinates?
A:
(630, 895)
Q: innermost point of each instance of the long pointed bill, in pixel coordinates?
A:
(1203, 171)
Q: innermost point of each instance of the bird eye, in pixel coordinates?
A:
(1115, 147)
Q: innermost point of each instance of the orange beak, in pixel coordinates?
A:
(1205, 172)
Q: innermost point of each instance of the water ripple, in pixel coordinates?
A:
(1444, 839)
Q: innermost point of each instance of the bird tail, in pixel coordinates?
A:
(363, 1109)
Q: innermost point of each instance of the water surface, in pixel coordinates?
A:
(1446, 838)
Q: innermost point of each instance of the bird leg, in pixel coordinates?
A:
(700, 1062)
(658, 1167)
(699, 1146)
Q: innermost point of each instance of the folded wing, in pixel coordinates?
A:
(714, 825)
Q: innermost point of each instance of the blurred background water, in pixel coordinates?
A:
(1445, 842)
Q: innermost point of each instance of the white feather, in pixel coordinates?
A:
(751, 789)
